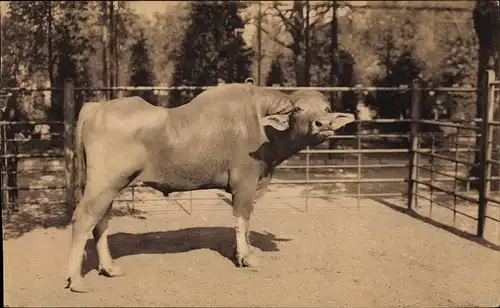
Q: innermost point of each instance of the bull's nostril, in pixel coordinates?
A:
(318, 123)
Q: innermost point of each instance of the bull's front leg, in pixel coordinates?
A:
(243, 200)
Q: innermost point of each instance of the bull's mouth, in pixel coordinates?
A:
(323, 136)
(326, 134)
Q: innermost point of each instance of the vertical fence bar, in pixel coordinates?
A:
(358, 193)
(432, 163)
(5, 181)
(416, 99)
(308, 157)
(486, 148)
(131, 209)
(467, 183)
(69, 128)
(455, 180)
(190, 202)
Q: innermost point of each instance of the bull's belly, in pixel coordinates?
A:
(170, 181)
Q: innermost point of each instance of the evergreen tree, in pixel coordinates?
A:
(275, 75)
(213, 48)
(71, 53)
(142, 69)
(394, 105)
(39, 26)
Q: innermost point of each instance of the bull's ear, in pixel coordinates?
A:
(278, 122)
(341, 119)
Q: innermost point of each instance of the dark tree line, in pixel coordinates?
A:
(141, 69)
(213, 49)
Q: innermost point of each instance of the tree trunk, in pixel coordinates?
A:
(105, 48)
(299, 65)
(334, 46)
(486, 17)
(307, 56)
(49, 45)
(112, 53)
(50, 57)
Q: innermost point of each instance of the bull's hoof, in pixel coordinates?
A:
(250, 260)
(112, 271)
(77, 285)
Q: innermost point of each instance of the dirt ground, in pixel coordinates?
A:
(337, 254)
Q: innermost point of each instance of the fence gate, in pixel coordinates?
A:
(32, 160)
(477, 166)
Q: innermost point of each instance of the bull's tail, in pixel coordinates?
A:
(80, 150)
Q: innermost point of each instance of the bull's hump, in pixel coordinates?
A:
(224, 93)
(272, 101)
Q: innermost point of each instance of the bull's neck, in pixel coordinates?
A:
(287, 147)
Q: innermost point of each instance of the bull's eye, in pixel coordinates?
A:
(296, 109)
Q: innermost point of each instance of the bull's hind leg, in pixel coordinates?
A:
(106, 265)
(92, 208)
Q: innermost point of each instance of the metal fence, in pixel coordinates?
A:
(422, 169)
(484, 196)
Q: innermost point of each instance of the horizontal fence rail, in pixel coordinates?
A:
(402, 88)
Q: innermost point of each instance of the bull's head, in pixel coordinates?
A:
(311, 120)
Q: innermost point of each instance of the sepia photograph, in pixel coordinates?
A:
(250, 153)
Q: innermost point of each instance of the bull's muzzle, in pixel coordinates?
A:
(326, 126)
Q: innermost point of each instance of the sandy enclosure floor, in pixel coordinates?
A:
(334, 255)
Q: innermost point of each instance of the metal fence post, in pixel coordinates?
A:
(69, 128)
(359, 129)
(190, 202)
(4, 192)
(416, 100)
(308, 157)
(488, 104)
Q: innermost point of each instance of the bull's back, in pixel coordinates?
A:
(123, 116)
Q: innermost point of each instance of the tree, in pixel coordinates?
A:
(72, 53)
(165, 35)
(123, 34)
(392, 39)
(275, 75)
(213, 48)
(141, 69)
(297, 23)
(55, 49)
(26, 28)
(486, 18)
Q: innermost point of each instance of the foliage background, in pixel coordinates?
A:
(191, 43)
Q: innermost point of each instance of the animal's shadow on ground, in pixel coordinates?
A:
(455, 231)
(16, 224)
(219, 239)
